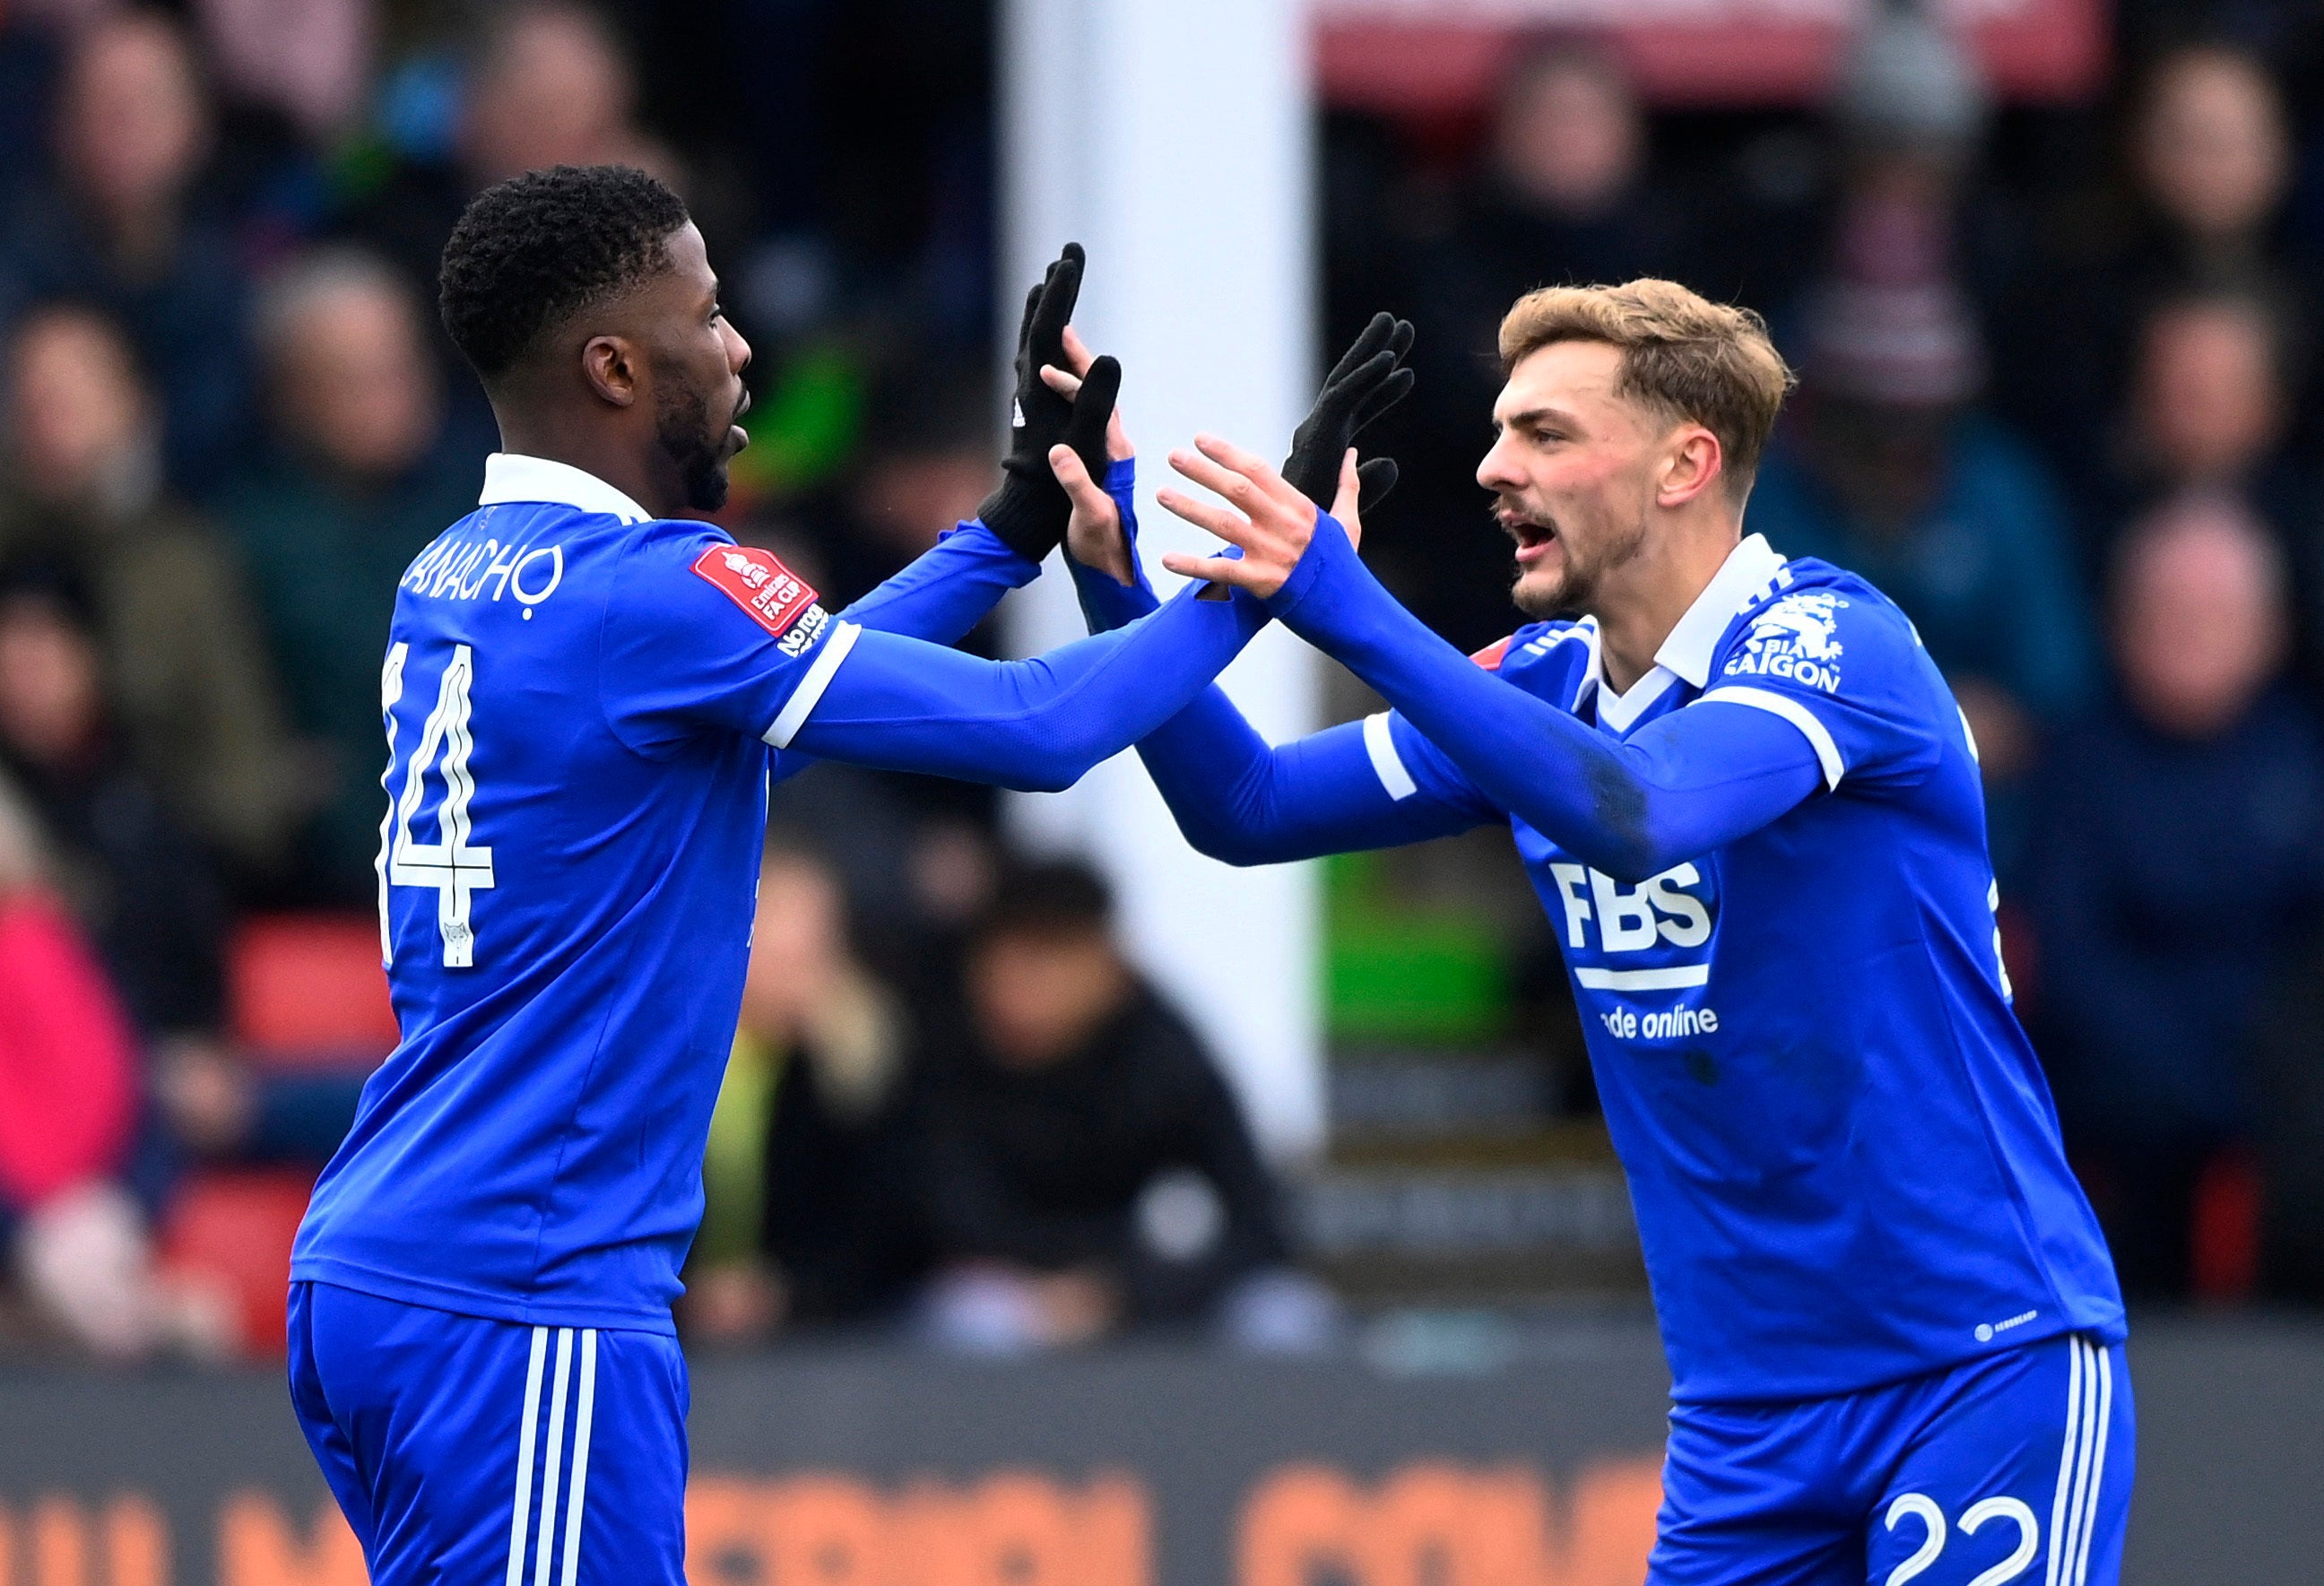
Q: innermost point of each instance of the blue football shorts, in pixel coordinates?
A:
(2014, 1470)
(464, 1450)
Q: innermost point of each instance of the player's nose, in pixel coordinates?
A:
(738, 351)
(1494, 471)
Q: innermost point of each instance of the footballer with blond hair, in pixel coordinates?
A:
(1752, 811)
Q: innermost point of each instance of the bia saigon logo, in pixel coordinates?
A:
(1793, 639)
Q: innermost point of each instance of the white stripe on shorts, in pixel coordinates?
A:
(554, 1460)
(2098, 1468)
(548, 1474)
(524, 1457)
(2081, 1462)
(582, 1418)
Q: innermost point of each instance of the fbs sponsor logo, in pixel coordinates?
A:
(775, 596)
(1631, 920)
(1794, 637)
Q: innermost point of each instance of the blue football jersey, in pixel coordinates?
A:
(1842, 1153)
(578, 701)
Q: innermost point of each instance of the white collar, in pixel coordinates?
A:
(1741, 581)
(511, 476)
(1746, 577)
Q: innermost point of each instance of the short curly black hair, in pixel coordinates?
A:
(533, 251)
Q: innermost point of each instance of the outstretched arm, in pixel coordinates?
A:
(947, 590)
(881, 700)
(1693, 781)
(1238, 798)
(945, 593)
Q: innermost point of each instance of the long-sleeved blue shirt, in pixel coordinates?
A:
(1766, 863)
(579, 703)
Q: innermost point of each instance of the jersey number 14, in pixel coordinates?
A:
(452, 866)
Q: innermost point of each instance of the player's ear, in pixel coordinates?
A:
(1693, 461)
(611, 367)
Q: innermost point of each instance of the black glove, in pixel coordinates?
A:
(1029, 512)
(1366, 382)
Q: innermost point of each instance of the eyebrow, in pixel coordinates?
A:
(1532, 416)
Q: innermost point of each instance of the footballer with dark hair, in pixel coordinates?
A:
(585, 694)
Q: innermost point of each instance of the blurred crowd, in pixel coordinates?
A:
(2061, 396)
(228, 422)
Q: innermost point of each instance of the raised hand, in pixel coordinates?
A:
(1367, 380)
(1271, 520)
(1093, 534)
(1030, 510)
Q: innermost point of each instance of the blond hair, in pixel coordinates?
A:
(1683, 356)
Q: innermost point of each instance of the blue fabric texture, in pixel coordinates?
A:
(1767, 864)
(580, 704)
(939, 597)
(2014, 1468)
(462, 1448)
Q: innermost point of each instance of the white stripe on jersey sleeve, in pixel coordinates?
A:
(809, 693)
(1818, 735)
(1386, 761)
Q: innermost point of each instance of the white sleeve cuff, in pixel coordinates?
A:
(809, 693)
(1818, 735)
(1380, 744)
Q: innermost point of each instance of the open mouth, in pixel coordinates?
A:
(1533, 538)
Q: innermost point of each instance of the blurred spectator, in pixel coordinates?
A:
(549, 84)
(1887, 468)
(357, 479)
(141, 890)
(2180, 859)
(1090, 1169)
(1563, 195)
(306, 59)
(812, 1175)
(2210, 408)
(77, 1240)
(925, 464)
(2209, 403)
(2208, 167)
(83, 489)
(122, 227)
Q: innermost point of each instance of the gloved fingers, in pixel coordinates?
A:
(1399, 339)
(1025, 326)
(1086, 429)
(1346, 393)
(1373, 338)
(1059, 293)
(1375, 479)
(1382, 397)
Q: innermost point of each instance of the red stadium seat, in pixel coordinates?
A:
(2224, 1268)
(305, 991)
(235, 1227)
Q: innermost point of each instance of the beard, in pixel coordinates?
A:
(682, 425)
(1574, 592)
